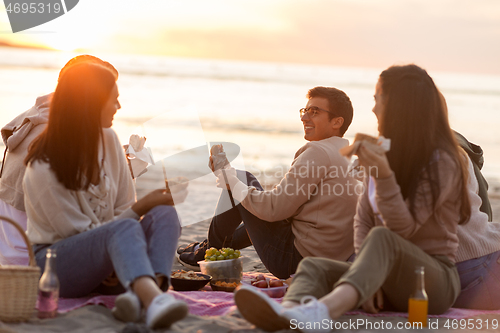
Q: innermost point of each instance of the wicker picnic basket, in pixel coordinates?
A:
(18, 285)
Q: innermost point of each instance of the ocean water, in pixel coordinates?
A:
(180, 104)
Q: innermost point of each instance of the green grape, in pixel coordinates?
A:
(225, 253)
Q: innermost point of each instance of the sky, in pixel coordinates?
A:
(445, 35)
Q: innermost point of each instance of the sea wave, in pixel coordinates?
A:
(246, 70)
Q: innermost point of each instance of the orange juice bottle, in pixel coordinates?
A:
(418, 302)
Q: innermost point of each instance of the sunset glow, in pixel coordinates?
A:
(453, 35)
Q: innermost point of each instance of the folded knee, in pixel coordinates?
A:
(126, 225)
(164, 211)
(309, 263)
(380, 232)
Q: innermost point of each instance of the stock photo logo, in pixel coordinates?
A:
(27, 14)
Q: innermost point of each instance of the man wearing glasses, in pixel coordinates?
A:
(309, 213)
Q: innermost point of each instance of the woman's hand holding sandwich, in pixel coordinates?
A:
(373, 158)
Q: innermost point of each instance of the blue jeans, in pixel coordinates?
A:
(480, 283)
(273, 241)
(130, 248)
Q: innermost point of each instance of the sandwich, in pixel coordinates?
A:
(359, 138)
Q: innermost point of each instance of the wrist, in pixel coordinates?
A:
(229, 177)
(232, 181)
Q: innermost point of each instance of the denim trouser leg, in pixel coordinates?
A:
(162, 230)
(86, 259)
(480, 283)
(273, 241)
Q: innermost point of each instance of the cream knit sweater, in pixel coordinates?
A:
(478, 237)
(55, 213)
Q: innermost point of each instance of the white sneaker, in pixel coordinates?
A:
(310, 316)
(260, 310)
(164, 310)
(127, 307)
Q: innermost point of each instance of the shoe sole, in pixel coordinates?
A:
(125, 311)
(171, 315)
(191, 267)
(258, 312)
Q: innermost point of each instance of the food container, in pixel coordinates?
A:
(223, 269)
(189, 285)
(274, 292)
(216, 287)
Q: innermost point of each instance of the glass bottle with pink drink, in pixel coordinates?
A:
(48, 288)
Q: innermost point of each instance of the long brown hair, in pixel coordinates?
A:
(416, 121)
(70, 141)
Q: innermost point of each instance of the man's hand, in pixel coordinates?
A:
(226, 178)
(375, 303)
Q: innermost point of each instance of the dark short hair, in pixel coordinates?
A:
(87, 58)
(338, 103)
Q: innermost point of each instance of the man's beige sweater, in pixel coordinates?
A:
(317, 196)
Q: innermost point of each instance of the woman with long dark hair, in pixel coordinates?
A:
(80, 201)
(415, 197)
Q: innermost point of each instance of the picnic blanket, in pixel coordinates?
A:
(218, 303)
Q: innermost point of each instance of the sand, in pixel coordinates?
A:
(99, 319)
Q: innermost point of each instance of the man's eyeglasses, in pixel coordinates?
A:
(312, 111)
